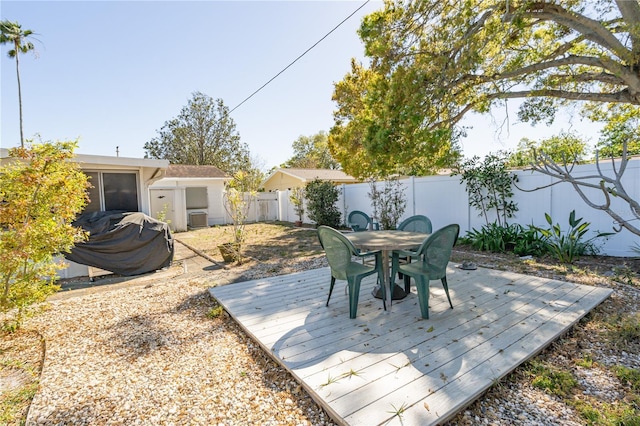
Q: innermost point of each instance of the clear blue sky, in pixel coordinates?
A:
(112, 72)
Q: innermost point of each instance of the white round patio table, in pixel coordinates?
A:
(386, 241)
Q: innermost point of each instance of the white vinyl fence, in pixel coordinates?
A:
(444, 200)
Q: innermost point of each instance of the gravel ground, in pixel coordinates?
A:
(150, 354)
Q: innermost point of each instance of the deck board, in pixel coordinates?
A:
(362, 370)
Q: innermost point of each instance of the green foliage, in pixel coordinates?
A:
(312, 152)
(620, 413)
(625, 330)
(501, 239)
(630, 376)
(389, 203)
(215, 312)
(493, 237)
(381, 130)
(13, 34)
(489, 185)
(162, 214)
(552, 380)
(202, 134)
(565, 148)
(322, 197)
(13, 403)
(429, 63)
(625, 274)
(41, 192)
(621, 130)
(297, 199)
(529, 241)
(238, 196)
(586, 362)
(567, 246)
(588, 412)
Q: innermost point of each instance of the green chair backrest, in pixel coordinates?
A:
(436, 250)
(417, 223)
(338, 249)
(358, 221)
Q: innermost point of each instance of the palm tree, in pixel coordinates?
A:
(12, 33)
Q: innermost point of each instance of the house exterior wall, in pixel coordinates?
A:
(146, 170)
(216, 214)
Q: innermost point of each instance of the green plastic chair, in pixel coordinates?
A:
(340, 252)
(417, 223)
(358, 221)
(434, 254)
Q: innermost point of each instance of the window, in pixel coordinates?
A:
(196, 198)
(113, 191)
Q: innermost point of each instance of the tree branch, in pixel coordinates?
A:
(591, 29)
(545, 165)
(537, 67)
(602, 77)
(622, 96)
(630, 11)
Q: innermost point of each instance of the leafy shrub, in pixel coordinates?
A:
(511, 238)
(297, 199)
(238, 195)
(489, 185)
(529, 241)
(492, 237)
(41, 193)
(569, 245)
(321, 203)
(389, 203)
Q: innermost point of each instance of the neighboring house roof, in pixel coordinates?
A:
(322, 174)
(90, 160)
(187, 171)
(307, 175)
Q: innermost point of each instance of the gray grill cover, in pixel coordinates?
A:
(123, 243)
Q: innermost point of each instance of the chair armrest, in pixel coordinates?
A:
(405, 253)
(368, 253)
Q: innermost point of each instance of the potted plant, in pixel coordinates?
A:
(297, 199)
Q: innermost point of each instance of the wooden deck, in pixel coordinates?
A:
(394, 367)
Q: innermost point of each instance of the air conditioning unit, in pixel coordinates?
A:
(198, 220)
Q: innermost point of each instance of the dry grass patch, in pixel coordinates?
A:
(264, 241)
(21, 357)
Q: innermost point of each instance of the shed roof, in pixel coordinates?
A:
(189, 171)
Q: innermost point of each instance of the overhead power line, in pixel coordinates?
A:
(295, 60)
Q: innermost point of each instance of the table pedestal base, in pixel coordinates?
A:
(398, 292)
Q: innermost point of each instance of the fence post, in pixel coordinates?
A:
(344, 203)
(412, 179)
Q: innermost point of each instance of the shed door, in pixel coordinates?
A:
(162, 206)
